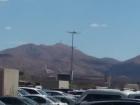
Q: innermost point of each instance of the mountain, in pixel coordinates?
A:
(39, 61)
(129, 69)
(50, 60)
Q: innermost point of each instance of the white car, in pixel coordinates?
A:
(58, 93)
(22, 92)
(134, 95)
(34, 91)
(76, 93)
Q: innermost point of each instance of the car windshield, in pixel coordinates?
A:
(42, 92)
(54, 99)
(29, 101)
(23, 92)
(1, 103)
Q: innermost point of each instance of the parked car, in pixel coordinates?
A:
(127, 92)
(134, 95)
(34, 91)
(22, 92)
(76, 93)
(44, 100)
(29, 101)
(63, 90)
(100, 94)
(58, 93)
(114, 102)
(16, 101)
(58, 102)
(54, 93)
(65, 99)
(1, 103)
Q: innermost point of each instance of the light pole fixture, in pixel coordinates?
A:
(72, 56)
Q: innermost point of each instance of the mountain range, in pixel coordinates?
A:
(38, 61)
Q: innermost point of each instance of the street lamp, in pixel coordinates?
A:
(72, 56)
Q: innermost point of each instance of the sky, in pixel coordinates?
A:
(106, 28)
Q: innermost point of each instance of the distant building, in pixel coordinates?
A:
(63, 81)
(8, 81)
(131, 86)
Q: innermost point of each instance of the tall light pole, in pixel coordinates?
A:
(72, 57)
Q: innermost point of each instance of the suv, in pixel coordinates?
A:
(99, 95)
(115, 102)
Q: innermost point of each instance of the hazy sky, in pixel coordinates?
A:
(107, 28)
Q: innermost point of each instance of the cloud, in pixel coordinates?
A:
(3, 0)
(95, 25)
(18, 42)
(8, 28)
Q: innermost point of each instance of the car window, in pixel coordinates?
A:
(93, 97)
(65, 100)
(76, 93)
(53, 99)
(38, 99)
(42, 92)
(29, 101)
(12, 101)
(55, 93)
(23, 92)
(1, 103)
(49, 93)
(137, 97)
(31, 91)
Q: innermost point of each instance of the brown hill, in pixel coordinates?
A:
(129, 69)
(41, 60)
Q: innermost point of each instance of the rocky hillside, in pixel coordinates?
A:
(130, 69)
(42, 60)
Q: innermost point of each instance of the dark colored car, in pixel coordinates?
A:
(115, 102)
(64, 99)
(1, 103)
(16, 101)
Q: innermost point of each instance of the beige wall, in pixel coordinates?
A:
(63, 84)
(11, 78)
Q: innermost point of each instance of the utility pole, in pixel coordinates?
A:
(109, 80)
(72, 57)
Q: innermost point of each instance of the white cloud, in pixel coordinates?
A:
(95, 25)
(3, 0)
(8, 28)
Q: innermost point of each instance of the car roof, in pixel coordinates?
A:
(36, 95)
(118, 100)
(105, 91)
(53, 91)
(134, 94)
(29, 88)
(127, 92)
(77, 91)
(46, 98)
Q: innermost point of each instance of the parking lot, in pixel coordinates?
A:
(37, 96)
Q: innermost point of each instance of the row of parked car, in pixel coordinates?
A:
(34, 96)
